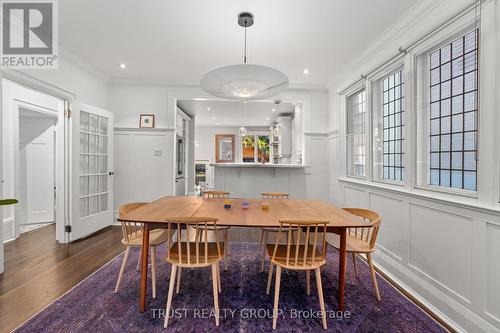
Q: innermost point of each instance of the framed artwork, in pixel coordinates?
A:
(147, 121)
(224, 148)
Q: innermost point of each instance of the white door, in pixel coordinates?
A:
(36, 165)
(92, 171)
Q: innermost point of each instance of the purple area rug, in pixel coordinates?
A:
(92, 306)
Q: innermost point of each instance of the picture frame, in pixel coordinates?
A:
(147, 121)
(224, 148)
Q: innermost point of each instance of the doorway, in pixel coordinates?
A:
(37, 139)
(33, 159)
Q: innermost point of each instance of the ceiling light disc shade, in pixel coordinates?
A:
(244, 82)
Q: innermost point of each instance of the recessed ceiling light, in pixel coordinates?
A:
(244, 102)
(213, 118)
(123, 65)
(208, 108)
(274, 110)
(306, 71)
(267, 118)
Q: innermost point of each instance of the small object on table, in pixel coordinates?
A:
(245, 204)
(265, 205)
(227, 203)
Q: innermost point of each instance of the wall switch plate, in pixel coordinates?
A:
(157, 152)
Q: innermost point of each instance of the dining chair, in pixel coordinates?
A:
(132, 237)
(264, 234)
(362, 241)
(305, 254)
(189, 251)
(224, 229)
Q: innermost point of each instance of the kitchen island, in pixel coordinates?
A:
(248, 180)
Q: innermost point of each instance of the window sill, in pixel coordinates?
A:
(419, 193)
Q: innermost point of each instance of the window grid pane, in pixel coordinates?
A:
(93, 164)
(393, 122)
(355, 138)
(453, 117)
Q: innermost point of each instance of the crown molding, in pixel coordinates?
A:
(76, 60)
(399, 28)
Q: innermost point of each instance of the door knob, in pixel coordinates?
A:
(111, 173)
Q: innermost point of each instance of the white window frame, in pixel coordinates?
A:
(422, 106)
(376, 80)
(366, 133)
(255, 134)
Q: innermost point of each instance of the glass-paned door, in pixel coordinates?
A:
(94, 196)
(93, 164)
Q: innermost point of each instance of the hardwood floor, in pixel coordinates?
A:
(38, 269)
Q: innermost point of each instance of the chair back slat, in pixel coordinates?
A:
(129, 229)
(216, 194)
(369, 233)
(189, 250)
(303, 253)
(274, 195)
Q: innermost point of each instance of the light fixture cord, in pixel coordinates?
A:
(245, 57)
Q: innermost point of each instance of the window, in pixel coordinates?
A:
(255, 148)
(453, 94)
(355, 137)
(389, 120)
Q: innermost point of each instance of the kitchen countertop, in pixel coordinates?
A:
(259, 165)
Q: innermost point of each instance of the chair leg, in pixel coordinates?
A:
(170, 294)
(276, 295)
(264, 244)
(308, 282)
(374, 276)
(261, 249)
(153, 269)
(139, 260)
(122, 269)
(269, 278)
(218, 279)
(354, 264)
(179, 274)
(320, 296)
(226, 243)
(216, 296)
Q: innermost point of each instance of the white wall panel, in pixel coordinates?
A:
(355, 198)
(139, 172)
(493, 270)
(392, 235)
(440, 246)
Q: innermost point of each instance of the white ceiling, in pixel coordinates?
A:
(177, 41)
(229, 113)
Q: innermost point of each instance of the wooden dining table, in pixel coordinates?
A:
(156, 214)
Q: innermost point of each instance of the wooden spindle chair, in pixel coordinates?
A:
(302, 253)
(264, 234)
(224, 229)
(191, 252)
(132, 237)
(362, 241)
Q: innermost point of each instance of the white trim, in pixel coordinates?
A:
(424, 195)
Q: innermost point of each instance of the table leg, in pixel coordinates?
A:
(144, 267)
(342, 267)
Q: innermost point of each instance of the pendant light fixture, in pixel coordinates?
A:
(244, 81)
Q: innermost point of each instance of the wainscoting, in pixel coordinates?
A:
(143, 163)
(443, 253)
